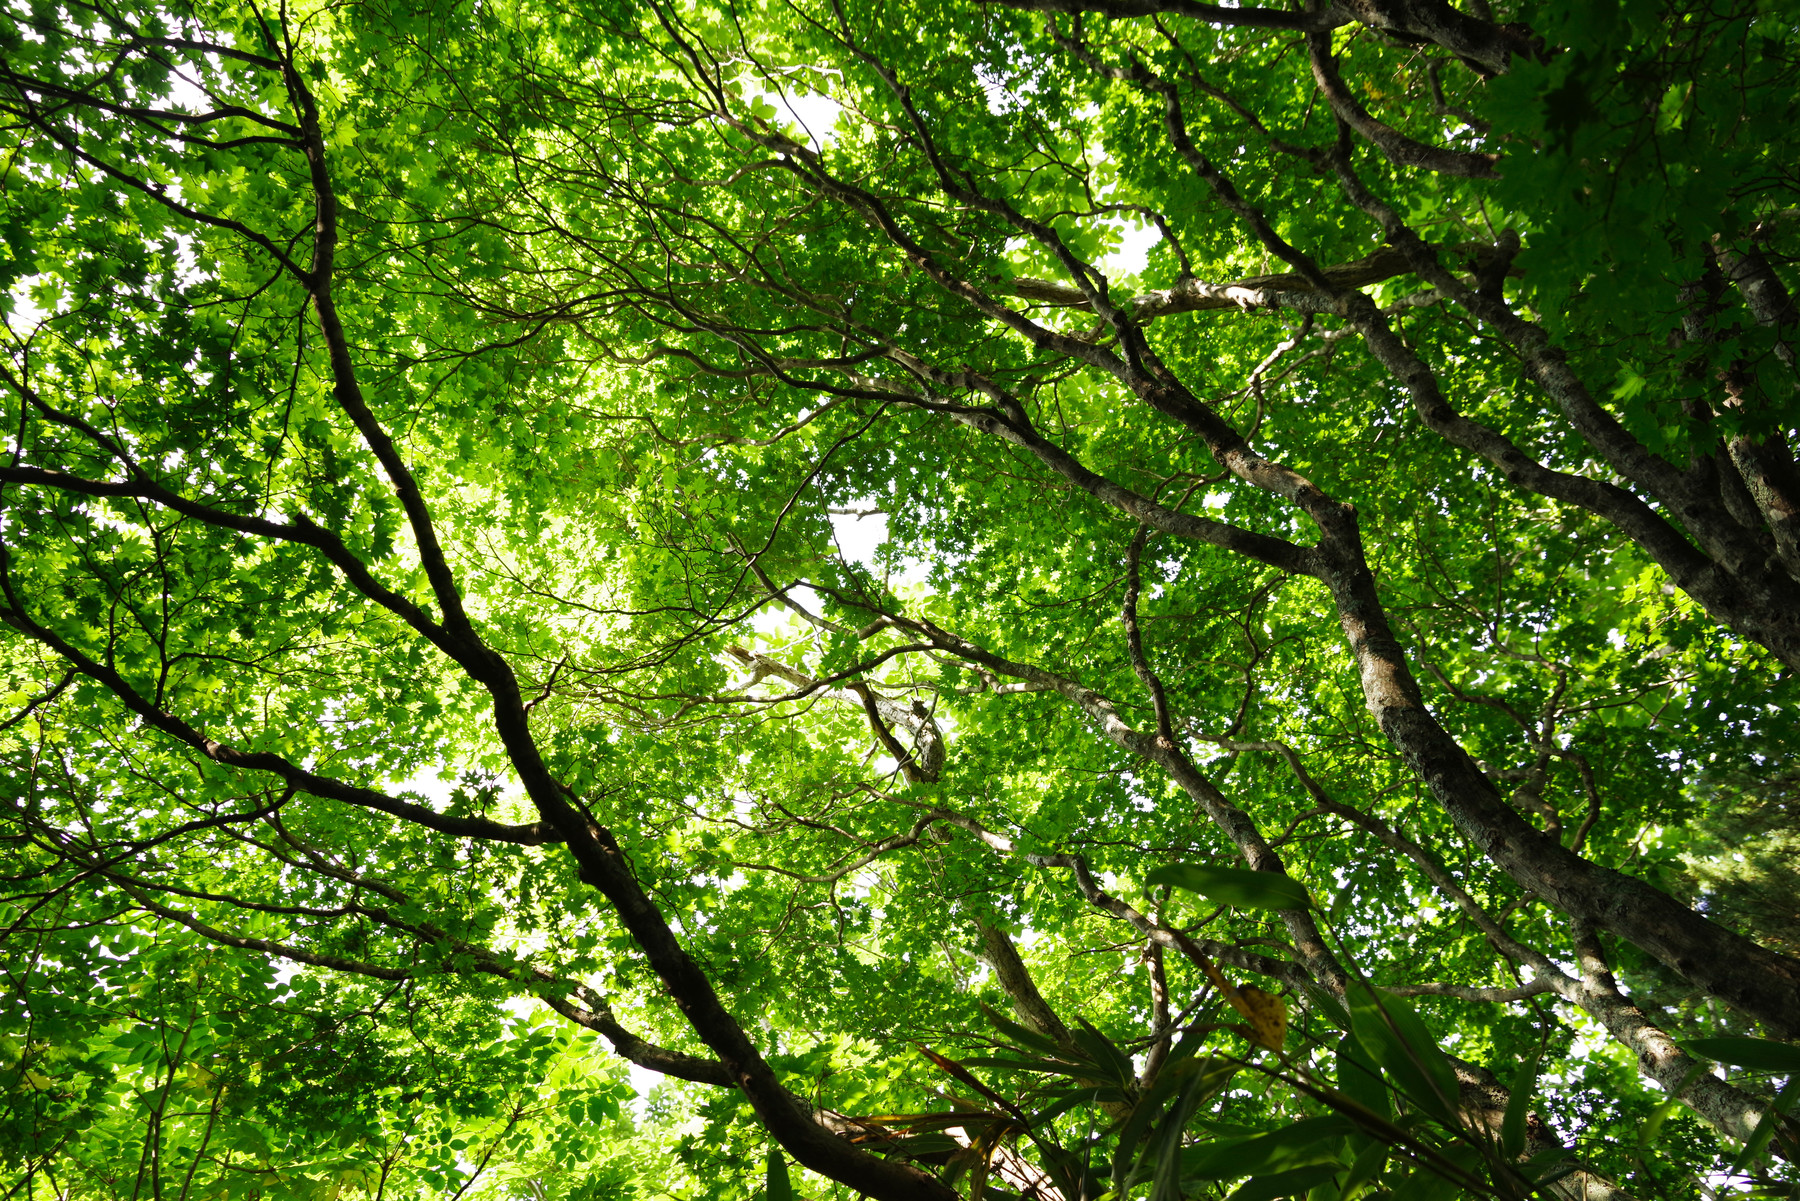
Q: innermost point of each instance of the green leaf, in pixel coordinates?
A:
(1631, 382)
(1651, 1127)
(1757, 1054)
(1164, 1157)
(1518, 1105)
(1234, 886)
(1105, 1052)
(1304, 1143)
(1284, 1184)
(1328, 1007)
(1428, 1184)
(1359, 1079)
(1021, 1035)
(1053, 1067)
(776, 1183)
(1386, 1027)
(1669, 113)
(1190, 1081)
(1759, 1138)
(1369, 1162)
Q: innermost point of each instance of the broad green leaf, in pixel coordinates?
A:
(1426, 1183)
(1359, 1078)
(1766, 1125)
(1521, 1090)
(1368, 1166)
(1104, 1052)
(1234, 886)
(1328, 1007)
(1302, 1144)
(1291, 1183)
(1391, 1034)
(1757, 1054)
(1024, 1037)
(777, 1186)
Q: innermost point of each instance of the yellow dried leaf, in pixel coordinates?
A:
(1267, 1014)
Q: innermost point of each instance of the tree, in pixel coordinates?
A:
(435, 435)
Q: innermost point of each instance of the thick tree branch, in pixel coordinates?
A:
(1288, 290)
(1732, 579)
(1015, 981)
(1488, 46)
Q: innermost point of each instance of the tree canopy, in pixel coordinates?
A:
(1039, 598)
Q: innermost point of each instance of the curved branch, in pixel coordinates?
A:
(1399, 149)
(922, 764)
(291, 774)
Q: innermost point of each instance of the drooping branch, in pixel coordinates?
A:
(16, 615)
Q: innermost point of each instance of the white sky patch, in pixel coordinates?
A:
(185, 93)
(813, 113)
(430, 785)
(642, 1081)
(861, 529)
(860, 533)
(26, 315)
(776, 616)
(1133, 254)
(994, 88)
